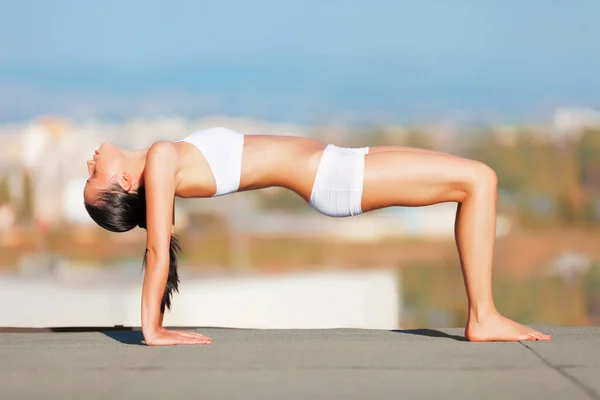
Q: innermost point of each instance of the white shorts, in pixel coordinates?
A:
(337, 190)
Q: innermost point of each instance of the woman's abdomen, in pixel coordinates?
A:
(285, 161)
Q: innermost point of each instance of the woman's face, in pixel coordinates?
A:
(103, 168)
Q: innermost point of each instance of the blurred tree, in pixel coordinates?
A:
(588, 157)
(4, 190)
(588, 212)
(532, 170)
(281, 200)
(26, 211)
(569, 183)
(506, 159)
(592, 293)
(420, 138)
(373, 137)
(567, 212)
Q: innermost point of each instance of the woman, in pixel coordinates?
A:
(126, 189)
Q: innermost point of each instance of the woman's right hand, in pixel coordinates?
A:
(164, 337)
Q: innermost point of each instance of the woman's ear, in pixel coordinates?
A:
(125, 181)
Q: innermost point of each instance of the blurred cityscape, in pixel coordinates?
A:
(547, 255)
(511, 83)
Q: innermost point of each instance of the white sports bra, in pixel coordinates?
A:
(222, 149)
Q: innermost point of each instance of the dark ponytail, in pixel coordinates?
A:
(119, 211)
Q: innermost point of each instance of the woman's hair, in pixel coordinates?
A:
(119, 211)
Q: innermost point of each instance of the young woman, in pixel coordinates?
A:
(126, 189)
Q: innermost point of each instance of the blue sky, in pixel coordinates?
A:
(502, 56)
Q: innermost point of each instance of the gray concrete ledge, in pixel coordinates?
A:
(300, 364)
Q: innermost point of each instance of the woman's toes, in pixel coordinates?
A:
(536, 335)
(539, 336)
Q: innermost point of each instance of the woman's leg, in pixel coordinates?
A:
(413, 177)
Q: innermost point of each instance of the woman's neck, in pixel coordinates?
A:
(137, 164)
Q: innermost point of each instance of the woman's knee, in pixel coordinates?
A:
(481, 177)
(486, 176)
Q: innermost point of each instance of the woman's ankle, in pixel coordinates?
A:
(480, 312)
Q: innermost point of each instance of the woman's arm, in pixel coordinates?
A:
(159, 181)
(162, 314)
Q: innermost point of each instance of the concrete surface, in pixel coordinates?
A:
(300, 364)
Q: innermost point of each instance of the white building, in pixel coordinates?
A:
(570, 122)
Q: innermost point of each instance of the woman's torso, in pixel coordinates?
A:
(267, 160)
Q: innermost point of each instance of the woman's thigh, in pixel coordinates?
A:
(385, 149)
(396, 176)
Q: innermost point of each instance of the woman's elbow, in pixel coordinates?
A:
(156, 256)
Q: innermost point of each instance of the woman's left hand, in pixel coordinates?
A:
(194, 335)
(165, 337)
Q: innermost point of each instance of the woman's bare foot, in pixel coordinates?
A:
(496, 327)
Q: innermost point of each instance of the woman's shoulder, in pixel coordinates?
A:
(161, 159)
(161, 150)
